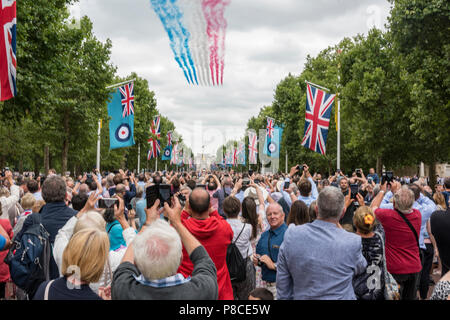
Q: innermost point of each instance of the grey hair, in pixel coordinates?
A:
(404, 199)
(157, 251)
(54, 189)
(330, 203)
(185, 187)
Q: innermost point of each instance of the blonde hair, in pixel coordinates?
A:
(37, 206)
(364, 219)
(28, 201)
(90, 219)
(86, 255)
(438, 197)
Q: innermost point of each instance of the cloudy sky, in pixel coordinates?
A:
(265, 40)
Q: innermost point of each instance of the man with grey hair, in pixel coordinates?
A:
(318, 260)
(268, 246)
(401, 225)
(149, 267)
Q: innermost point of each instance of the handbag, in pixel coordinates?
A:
(391, 290)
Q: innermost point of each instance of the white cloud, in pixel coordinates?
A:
(265, 41)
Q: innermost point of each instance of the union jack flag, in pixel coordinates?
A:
(155, 147)
(169, 138)
(317, 119)
(127, 94)
(175, 151)
(270, 127)
(252, 149)
(8, 62)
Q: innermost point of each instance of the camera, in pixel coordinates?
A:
(4, 170)
(245, 183)
(158, 191)
(106, 203)
(354, 190)
(388, 177)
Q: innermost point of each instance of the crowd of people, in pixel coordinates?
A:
(299, 236)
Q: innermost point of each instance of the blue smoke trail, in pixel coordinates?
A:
(171, 18)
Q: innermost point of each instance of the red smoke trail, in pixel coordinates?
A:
(215, 29)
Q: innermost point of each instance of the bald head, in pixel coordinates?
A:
(199, 201)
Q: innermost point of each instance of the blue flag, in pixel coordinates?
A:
(121, 111)
(167, 155)
(272, 144)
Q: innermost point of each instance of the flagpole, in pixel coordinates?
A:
(98, 143)
(156, 164)
(316, 85)
(119, 84)
(139, 158)
(286, 162)
(338, 164)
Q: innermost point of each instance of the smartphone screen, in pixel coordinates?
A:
(151, 195)
(105, 203)
(286, 185)
(354, 190)
(164, 193)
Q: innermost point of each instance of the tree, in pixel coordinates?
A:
(420, 35)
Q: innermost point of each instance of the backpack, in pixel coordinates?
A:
(237, 266)
(29, 256)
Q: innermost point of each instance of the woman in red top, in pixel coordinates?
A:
(214, 233)
(4, 268)
(402, 248)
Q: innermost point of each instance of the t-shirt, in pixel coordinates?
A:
(243, 243)
(2, 242)
(402, 251)
(59, 290)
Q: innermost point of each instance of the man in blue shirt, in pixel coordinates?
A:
(318, 260)
(269, 245)
(306, 186)
(373, 175)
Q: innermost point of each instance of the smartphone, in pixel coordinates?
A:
(354, 190)
(151, 195)
(358, 173)
(105, 203)
(286, 185)
(164, 194)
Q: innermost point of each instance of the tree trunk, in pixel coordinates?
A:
(21, 166)
(36, 165)
(65, 151)
(379, 168)
(2, 161)
(432, 175)
(46, 159)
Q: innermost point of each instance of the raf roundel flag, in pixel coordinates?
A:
(167, 155)
(272, 144)
(121, 125)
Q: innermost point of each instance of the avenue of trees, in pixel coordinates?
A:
(63, 73)
(394, 88)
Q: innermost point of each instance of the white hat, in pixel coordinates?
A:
(251, 192)
(280, 185)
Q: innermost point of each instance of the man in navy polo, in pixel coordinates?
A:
(269, 245)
